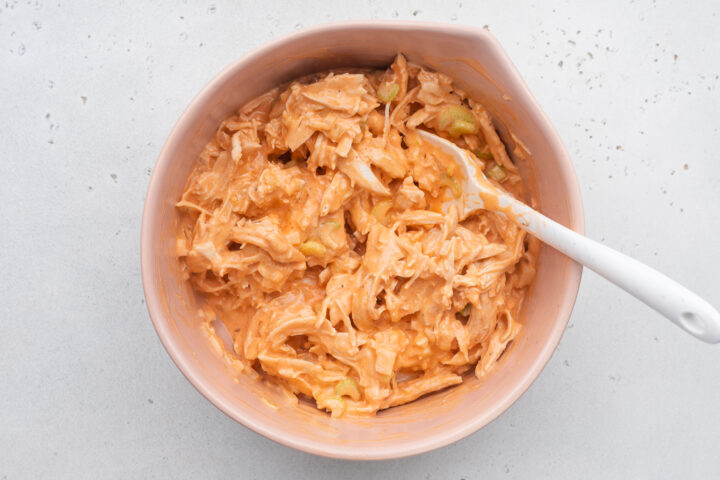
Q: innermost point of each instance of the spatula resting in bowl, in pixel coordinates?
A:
(677, 303)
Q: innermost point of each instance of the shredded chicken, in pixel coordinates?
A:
(313, 226)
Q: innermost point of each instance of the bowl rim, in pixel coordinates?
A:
(348, 452)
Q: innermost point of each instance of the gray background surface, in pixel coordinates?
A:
(90, 90)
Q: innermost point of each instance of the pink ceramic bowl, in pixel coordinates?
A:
(479, 65)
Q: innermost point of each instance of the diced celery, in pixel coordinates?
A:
(380, 210)
(387, 92)
(348, 388)
(483, 154)
(311, 248)
(497, 173)
(461, 127)
(453, 113)
(452, 183)
(336, 405)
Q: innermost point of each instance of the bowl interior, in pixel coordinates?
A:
(477, 63)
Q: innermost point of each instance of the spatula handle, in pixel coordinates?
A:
(681, 306)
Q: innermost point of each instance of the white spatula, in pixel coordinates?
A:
(677, 303)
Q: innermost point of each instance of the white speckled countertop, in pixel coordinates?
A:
(90, 90)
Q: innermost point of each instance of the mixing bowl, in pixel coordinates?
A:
(479, 65)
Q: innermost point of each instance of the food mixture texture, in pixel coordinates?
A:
(312, 225)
